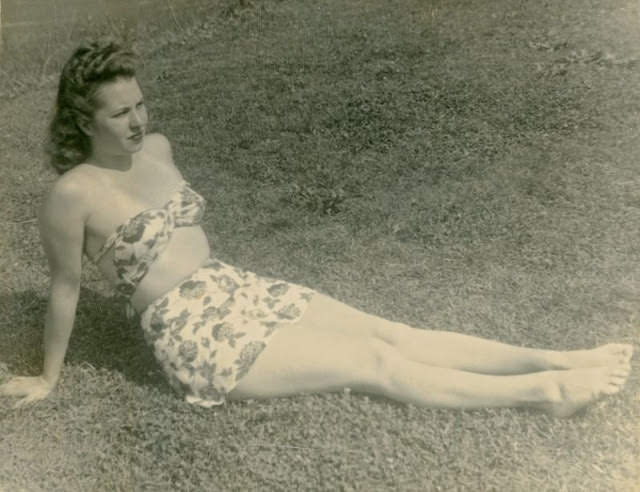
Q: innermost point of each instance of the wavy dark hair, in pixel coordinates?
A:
(90, 66)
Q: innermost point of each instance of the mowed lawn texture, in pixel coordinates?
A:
(454, 165)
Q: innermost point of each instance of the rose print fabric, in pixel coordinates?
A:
(207, 332)
(138, 242)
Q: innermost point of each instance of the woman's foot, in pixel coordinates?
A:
(609, 355)
(572, 390)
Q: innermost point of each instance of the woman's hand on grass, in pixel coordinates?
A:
(30, 388)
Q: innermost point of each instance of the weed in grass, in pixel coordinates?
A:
(236, 8)
(323, 199)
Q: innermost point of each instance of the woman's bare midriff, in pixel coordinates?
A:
(187, 251)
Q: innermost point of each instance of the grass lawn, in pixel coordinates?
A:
(468, 166)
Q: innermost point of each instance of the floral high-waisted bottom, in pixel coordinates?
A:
(208, 330)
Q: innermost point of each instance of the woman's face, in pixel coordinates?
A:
(120, 120)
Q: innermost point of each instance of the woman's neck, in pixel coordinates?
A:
(110, 161)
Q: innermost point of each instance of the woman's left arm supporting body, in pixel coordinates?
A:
(62, 219)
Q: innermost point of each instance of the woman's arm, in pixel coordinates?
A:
(62, 219)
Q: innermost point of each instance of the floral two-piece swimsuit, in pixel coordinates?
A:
(208, 330)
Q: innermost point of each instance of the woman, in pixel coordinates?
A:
(220, 332)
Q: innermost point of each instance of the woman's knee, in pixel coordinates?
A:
(392, 332)
(377, 361)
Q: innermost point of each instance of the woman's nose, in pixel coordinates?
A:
(135, 121)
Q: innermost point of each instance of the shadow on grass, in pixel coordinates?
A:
(102, 337)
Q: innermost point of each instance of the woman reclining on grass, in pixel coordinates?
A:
(220, 332)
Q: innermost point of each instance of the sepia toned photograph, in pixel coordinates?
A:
(341, 245)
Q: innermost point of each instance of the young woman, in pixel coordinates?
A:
(220, 332)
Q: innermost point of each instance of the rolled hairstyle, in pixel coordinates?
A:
(90, 66)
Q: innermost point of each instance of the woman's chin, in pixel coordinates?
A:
(134, 146)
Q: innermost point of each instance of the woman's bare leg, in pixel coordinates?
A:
(454, 350)
(303, 359)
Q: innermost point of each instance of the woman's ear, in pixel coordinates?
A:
(83, 122)
(85, 126)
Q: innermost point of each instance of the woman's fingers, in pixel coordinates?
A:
(32, 389)
(14, 387)
(28, 400)
(7, 389)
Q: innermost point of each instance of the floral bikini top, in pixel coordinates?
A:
(139, 241)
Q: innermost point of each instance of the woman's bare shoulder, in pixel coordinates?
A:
(158, 145)
(61, 220)
(70, 193)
